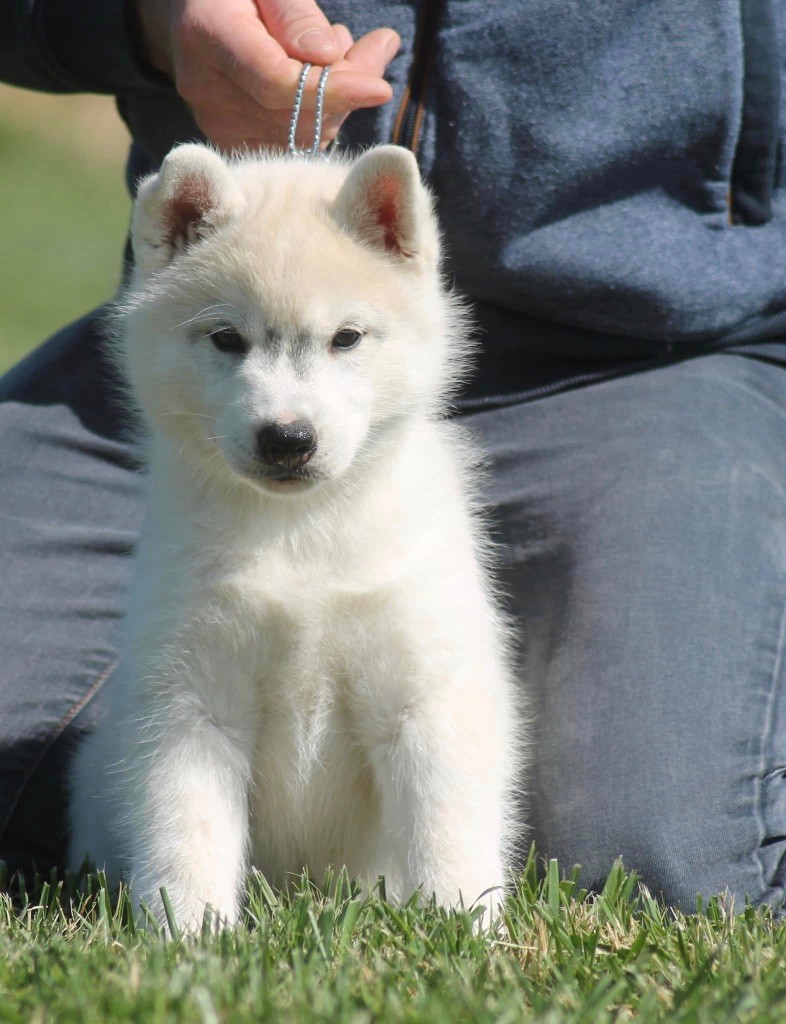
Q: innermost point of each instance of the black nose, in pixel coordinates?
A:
(286, 445)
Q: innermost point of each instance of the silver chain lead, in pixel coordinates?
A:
(315, 151)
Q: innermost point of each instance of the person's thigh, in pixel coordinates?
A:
(70, 505)
(643, 523)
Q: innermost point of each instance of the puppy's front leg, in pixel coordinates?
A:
(189, 820)
(443, 771)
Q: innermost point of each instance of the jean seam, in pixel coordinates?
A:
(765, 400)
(766, 744)
(54, 734)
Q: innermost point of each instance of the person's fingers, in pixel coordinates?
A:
(344, 39)
(356, 81)
(374, 51)
(251, 58)
(233, 120)
(240, 82)
(360, 71)
(349, 90)
(301, 29)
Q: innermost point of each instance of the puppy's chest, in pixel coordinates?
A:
(301, 634)
(300, 683)
(305, 674)
(310, 773)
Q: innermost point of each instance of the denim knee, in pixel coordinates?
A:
(643, 529)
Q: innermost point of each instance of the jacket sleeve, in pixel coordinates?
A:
(73, 46)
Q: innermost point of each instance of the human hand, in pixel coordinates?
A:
(237, 62)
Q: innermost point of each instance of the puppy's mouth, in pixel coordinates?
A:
(290, 481)
(302, 473)
(277, 479)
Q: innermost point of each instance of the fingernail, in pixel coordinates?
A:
(317, 39)
(392, 48)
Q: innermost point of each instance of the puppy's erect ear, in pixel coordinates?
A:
(192, 195)
(384, 204)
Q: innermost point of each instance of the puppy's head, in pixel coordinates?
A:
(284, 315)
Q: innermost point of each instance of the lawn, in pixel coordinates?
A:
(65, 213)
(346, 959)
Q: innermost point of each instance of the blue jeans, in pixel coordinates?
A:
(642, 531)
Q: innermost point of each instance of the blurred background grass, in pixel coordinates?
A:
(64, 212)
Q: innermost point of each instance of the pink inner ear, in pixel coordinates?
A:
(387, 200)
(187, 208)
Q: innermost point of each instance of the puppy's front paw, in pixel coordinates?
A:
(179, 912)
(488, 908)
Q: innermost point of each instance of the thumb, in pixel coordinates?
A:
(300, 27)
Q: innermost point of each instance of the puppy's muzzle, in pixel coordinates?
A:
(286, 446)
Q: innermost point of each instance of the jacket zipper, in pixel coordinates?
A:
(754, 166)
(409, 119)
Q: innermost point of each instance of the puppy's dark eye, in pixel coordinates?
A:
(229, 340)
(347, 338)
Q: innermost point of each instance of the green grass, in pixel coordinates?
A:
(310, 957)
(64, 224)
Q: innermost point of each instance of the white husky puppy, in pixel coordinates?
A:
(313, 671)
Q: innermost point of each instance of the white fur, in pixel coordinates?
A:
(312, 674)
